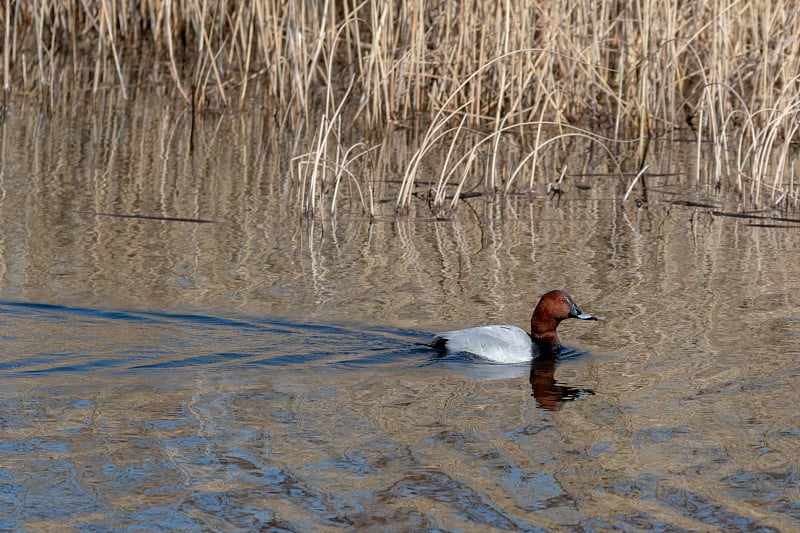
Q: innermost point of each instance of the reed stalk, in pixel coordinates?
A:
(7, 55)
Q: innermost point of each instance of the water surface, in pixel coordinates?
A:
(264, 371)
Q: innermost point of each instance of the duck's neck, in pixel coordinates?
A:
(543, 332)
(547, 344)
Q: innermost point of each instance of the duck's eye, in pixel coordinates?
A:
(560, 299)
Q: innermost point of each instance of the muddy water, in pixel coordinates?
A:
(259, 371)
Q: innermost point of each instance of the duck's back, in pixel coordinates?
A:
(502, 344)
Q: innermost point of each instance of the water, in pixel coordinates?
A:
(261, 372)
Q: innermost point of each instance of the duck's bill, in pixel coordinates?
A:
(577, 313)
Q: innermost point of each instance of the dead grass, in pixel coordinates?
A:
(639, 70)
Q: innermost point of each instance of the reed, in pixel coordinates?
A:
(640, 69)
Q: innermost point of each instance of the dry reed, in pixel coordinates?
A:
(638, 69)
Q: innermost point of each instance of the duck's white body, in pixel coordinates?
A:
(501, 344)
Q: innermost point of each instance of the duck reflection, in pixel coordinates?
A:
(549, 393)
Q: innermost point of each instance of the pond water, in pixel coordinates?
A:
(245, 368)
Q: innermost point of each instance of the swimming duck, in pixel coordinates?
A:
(510, 344)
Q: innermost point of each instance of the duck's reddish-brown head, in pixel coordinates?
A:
(552, 308)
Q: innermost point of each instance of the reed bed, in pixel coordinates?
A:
(725, 73)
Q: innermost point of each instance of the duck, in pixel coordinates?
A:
(510, 344)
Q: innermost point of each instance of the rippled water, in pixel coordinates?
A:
(266, 373)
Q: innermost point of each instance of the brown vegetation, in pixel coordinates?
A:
(635, 70)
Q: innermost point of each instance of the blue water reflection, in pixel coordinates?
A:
(162, 421)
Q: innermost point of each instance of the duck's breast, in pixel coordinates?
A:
(502, 344)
